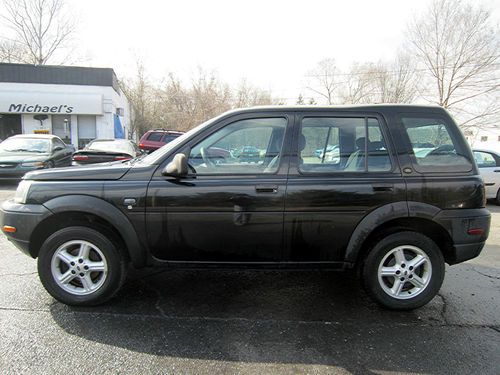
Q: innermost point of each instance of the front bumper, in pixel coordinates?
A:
(469, 230)
(23, 217)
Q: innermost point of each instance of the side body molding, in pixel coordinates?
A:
(105, 210)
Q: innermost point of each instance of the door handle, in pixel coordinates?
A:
(497, 170)
(383, 187)
(266, 189)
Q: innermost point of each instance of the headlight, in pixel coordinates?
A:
(36, 164)
(22, 191)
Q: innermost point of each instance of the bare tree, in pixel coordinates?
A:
(143, 100)
(247, 95)
(324, 80)
(12, 52)
(458, 48)
(358, 86)
(380, 83)
(41, 28)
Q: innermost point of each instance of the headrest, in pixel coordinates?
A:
(302, 142)
(360, 143)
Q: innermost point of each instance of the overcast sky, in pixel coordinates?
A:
(271, 43)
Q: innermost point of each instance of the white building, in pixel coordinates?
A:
(485, 138)
(75, 103)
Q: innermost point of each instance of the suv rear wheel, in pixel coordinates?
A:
(404, 271)
(80, 266)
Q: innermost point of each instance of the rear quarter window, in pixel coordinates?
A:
(436, 146)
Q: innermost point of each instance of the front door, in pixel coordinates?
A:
(342, 170)
(230, 207)
(489, 167)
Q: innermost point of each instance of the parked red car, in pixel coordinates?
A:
(152, 140)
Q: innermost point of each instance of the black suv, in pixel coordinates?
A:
(401, 197)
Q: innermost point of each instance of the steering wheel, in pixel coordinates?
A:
(206, 159)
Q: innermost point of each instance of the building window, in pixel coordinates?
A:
(484, 138)
(86, 130)
(9, 125)
(61, 126)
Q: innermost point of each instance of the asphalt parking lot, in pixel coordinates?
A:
(257, 322)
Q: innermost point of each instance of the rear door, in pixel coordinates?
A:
(342, 169)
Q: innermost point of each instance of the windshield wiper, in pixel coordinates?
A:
(26, 150)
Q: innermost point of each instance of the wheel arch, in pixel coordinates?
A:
(94, 213)
(397, 217)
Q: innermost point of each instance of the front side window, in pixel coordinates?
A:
(434, 147)
(58, 143)
(250, 146)
(342, 144)
(484, 159)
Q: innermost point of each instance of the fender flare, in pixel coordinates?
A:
(105, 210)
(381, 215)
(371, 221)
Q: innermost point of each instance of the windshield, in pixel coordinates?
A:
(25, 145)
(114, 146)
(158, 155)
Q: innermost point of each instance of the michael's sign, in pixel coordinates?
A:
(37, 108)
(50, 103)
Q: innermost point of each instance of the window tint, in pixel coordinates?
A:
(155, 136)
(433, 146)
(251, 146)
(169, 137)
(484, 159)
(339, 144)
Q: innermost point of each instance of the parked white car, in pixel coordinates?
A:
(489, 166)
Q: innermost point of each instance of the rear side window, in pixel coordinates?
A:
(435, 149)
(342, 144)
(155, 136)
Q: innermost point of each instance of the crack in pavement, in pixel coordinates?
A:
(443, 310)
(486, 275)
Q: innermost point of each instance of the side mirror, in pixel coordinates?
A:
(58, 148)
(178, 167)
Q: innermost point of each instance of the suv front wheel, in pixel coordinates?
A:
(403, 271)
(80, 266)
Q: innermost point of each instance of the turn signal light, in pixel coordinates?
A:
(122, 158)
(9, 229)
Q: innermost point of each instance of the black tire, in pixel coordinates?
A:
(497, 201)
(370, 271)
(113, 279)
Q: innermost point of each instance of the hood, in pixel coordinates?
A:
(103, 171)
(19, 157)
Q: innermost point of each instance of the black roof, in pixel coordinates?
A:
(58, 75)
